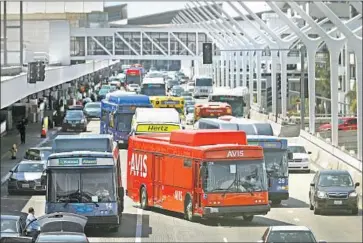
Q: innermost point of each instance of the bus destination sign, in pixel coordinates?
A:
(266, 144)
(68, 161)
(170, 102)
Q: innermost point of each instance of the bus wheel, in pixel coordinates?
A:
(248, 218)
(143, 198)
(114, 229)
(188, 209)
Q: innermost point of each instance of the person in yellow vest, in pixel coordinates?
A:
(13, 151)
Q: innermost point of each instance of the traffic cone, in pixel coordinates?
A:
(44, 133)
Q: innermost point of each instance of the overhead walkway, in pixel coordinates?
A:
(15, 88)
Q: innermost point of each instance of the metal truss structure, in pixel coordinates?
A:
(165, 43)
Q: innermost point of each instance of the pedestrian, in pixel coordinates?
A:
(22, 130)
(32, 225)
(13, 151)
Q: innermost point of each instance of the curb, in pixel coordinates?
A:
(6, 177)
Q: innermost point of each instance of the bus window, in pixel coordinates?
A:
(111, 122)
(264, 129)
(124, 122)
(104, 115)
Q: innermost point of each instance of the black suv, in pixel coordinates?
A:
(333, 190)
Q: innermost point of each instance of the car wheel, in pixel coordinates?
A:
(10, 192)
(248, 218)
(317, 211)
(355, 211)
(276, 202)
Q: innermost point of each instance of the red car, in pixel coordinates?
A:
(345, 124)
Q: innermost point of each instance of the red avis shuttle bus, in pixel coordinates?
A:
(202, 173)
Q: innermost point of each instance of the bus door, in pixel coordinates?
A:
(198, 188)
(157, 180)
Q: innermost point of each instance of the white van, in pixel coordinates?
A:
(155, 120)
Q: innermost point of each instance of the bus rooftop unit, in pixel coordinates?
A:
(117, 112)
(83, 142)
(85, 183)
(203, 173)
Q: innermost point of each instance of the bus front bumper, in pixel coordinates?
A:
(236, 210)
(102, 221)
(283, 195)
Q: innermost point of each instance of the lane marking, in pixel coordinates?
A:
(225, 239)
(138, 234)
(6, 177)
(296, 219)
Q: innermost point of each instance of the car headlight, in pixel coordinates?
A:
(83, 120)
(353, 194)
(321, 194)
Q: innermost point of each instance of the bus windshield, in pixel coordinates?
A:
(81, 185)
(154, 90)
(237, 103)
(203, 82)
(133, 79)
(276, 163)
(235, 176)
(124, 122)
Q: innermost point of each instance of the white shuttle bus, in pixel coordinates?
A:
(203, 86)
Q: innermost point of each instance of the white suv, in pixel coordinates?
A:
(299, 159)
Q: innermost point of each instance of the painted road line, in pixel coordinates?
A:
(225, 239)
(36, 202)
(6, 177)
(138, 225)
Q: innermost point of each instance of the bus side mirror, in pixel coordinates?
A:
(290, 155)
(121, 192)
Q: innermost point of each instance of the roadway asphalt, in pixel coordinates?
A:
(160, 226)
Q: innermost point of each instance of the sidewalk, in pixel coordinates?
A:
(33, 139)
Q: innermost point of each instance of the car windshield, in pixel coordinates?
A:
(74, 114)
(37, 154)
(235, 176)
(124, 122)
(105, 87)
(30, 167)
(190, 110)
(335, 180)
(103, 91)
(249, 129)
(297, 149)
(276, 163)
(155, 75)
(291, 236)
(81, 186)
(94, 105)
(187, 98)
(133, 85)
(8, 225)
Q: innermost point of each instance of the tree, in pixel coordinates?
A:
(322, 74)
(352, 97)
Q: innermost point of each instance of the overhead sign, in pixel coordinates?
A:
(157, 128)
(267, 144)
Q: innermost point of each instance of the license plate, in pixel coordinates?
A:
(338, 202)
(37, 183)
(25, 185)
